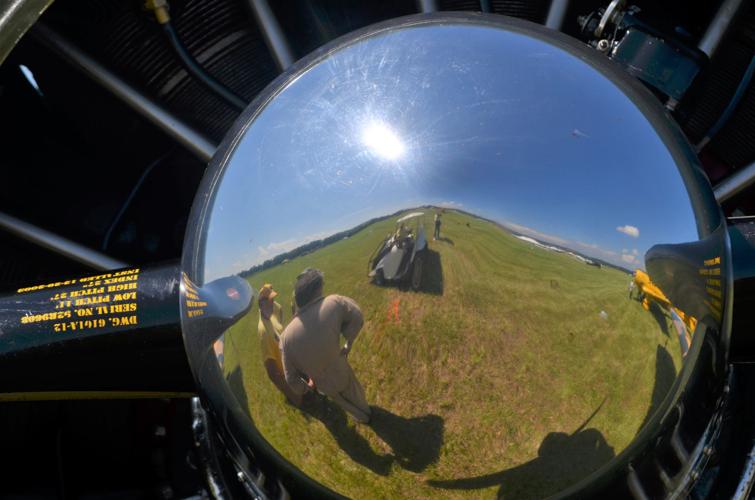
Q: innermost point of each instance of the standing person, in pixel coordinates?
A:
(436, 234)
(313, 357)
(269, 328)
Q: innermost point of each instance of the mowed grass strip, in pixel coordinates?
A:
(508, 349)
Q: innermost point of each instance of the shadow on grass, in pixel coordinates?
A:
(659, 318)
(562, 460)
(348, 439)
(235, 381)
(665, 374)
(445, 240)
(415, 442)
(432, 273)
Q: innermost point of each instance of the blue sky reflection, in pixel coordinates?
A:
(502, 125)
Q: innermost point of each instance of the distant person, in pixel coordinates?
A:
(269, 328)
(436, 234)
(313, 358)
(405, 231)
(631, 287)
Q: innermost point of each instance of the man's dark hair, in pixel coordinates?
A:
(308, 286)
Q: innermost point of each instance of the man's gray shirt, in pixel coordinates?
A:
(311, 343)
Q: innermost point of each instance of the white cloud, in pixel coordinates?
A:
(535, 234)
(578, 133)
(631, 257)
(450, 204)
(629, 231)
(628, 258)
(278, 247)
(600, 251)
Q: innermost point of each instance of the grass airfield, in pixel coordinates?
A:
(498, 378)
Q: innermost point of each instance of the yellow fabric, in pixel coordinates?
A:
(269, 331)
(649, 288)
(651, 291)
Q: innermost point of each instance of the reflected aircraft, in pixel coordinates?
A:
(401, 254)
(648, 291)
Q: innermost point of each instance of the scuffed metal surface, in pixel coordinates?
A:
(16, 17)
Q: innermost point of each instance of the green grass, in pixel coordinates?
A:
(492, 376)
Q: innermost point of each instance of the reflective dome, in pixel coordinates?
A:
(480, 260)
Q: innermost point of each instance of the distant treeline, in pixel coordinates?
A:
(318, 244)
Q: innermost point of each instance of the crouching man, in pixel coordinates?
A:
(311, 345)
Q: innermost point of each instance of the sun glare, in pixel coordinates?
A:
(382, 141)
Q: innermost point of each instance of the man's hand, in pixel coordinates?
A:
(346, 349)
(311, 385)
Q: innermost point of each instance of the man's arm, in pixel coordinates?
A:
(293, 375)
(351, 322)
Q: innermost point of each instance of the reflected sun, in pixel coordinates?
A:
(382, 141)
